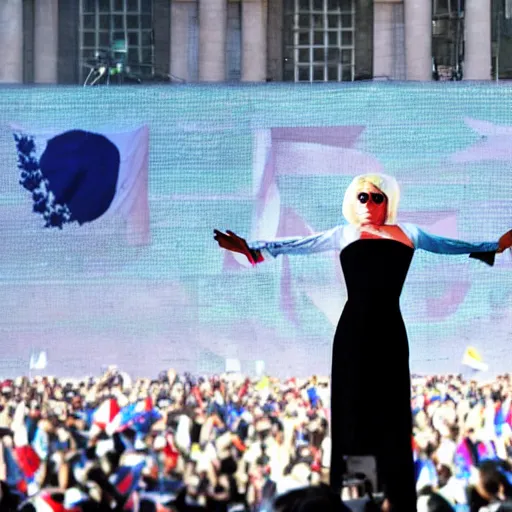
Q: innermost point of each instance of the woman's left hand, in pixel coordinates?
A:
(505, 242)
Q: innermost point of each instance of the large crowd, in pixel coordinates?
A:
(229, 443)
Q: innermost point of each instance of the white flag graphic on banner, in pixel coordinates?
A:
(84, 177)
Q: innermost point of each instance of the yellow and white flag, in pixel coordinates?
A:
(473, 359)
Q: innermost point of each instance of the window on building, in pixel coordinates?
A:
(501, 23)
(319, 40)
(122, 27)
(447, 39)
(234, 42)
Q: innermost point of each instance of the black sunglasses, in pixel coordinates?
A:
(377, 198)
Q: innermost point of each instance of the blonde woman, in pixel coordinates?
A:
(370, 349)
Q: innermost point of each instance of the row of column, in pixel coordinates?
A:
(212, 40)
(46, 29)
(418, 39)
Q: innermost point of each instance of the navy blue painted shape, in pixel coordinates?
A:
(82, 169)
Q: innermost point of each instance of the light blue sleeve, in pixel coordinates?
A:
(441, 245)
(40, 444)
(318, 242)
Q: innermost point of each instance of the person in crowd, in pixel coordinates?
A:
(310, 499)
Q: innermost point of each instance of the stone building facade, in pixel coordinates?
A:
(54, 41)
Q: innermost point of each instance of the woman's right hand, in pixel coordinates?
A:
(232, 242)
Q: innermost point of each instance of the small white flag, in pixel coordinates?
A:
(38, 361)
(233, 366)
(259, 367)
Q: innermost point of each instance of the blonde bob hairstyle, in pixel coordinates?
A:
(386, 184)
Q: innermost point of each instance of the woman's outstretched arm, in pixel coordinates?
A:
(484, 251)
(256, 251)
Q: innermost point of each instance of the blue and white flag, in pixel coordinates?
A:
(79, 176)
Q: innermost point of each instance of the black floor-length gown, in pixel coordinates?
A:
(371, 397)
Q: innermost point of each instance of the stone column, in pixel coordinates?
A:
(477, 50)
(11, 41)
(212, 40)
(383, 58)
(179, 39)
(418, 39)
(46, 41)
(254, 41)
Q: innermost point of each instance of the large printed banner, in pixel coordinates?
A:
(109, 198)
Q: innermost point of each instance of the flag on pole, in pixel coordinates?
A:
(48, 501)
(77, 176)
(233, 365)
(139, 416)
(38, 360)
(105, 413)
(127, 477)
(473, 359)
